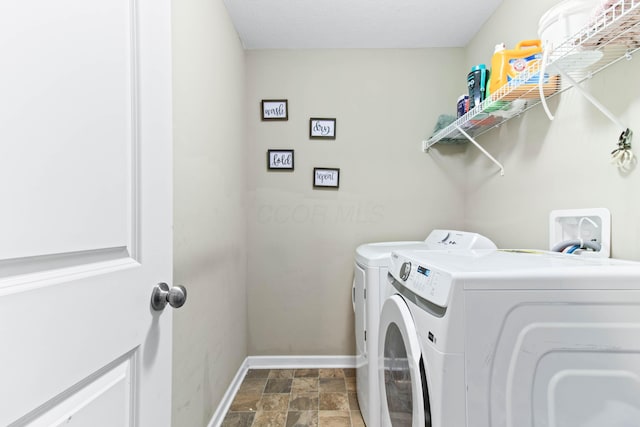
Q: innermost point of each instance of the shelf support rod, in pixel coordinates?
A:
(592, 100)
(479, 147)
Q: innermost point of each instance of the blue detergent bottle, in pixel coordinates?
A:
(477, 81)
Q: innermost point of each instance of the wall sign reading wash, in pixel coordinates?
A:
(326, 178)
(275, 109)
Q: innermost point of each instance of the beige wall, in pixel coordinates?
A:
(210, 331)
(302, 241)
(562, 164)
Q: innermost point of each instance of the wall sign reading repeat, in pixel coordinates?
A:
(326, 178)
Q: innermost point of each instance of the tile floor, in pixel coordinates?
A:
(296, 398)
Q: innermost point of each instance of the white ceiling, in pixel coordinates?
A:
(301, 24)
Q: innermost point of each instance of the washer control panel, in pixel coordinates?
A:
(424, 281)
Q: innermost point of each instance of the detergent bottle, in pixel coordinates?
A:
(506, 64)
(477, 81)
(496, 67)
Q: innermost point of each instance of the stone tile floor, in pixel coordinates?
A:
(296, 398)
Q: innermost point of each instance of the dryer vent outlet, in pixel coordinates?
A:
(586, 225)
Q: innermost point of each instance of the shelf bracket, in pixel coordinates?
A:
(479, 147)
(622, 155)
(604, 110)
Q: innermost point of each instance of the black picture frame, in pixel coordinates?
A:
(322, 128)
(280, 160)
(274, 110)
(328, 178)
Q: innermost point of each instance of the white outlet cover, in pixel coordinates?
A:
(586, 224)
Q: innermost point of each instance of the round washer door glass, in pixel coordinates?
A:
(404, 396)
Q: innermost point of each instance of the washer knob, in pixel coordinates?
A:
(405, 270)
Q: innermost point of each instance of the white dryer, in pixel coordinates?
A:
(510, 339)
(369, 291)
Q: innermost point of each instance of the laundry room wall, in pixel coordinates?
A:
(563, 164)
(210, 331)
(301, 240)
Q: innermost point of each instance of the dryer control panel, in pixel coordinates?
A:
(453, 239)
(427, 282)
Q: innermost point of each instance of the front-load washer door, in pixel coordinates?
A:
(404, 396)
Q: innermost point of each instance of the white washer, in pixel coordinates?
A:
(370, 289)
(510, 339)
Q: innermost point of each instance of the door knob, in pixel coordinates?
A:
(162, 294)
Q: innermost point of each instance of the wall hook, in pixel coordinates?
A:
(622, 156)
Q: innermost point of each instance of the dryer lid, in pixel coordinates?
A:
(377, 254)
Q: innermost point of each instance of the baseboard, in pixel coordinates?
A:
(225, 403)
(300, 362)
(275, 362)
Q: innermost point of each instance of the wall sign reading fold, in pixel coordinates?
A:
(280, 159)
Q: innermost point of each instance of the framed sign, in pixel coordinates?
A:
(274, 109)
(322, 128)
(326, 178)
(280, 160)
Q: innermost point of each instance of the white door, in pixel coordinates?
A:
(85, 214)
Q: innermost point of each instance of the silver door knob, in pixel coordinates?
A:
(162, 294)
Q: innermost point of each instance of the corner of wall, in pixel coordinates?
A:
(210, 228)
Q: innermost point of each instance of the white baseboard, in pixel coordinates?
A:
(275, 362)
(225, 403)
(300, 362)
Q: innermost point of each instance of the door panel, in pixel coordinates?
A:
(63, 331)
(104, 401)
(85, 166)
(70, 79)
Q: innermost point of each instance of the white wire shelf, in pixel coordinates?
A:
(612, 36)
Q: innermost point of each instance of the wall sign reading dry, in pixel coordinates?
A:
(322, 128)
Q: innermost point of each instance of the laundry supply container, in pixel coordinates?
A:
(557, 29)
(507, 66)
(564, 20)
